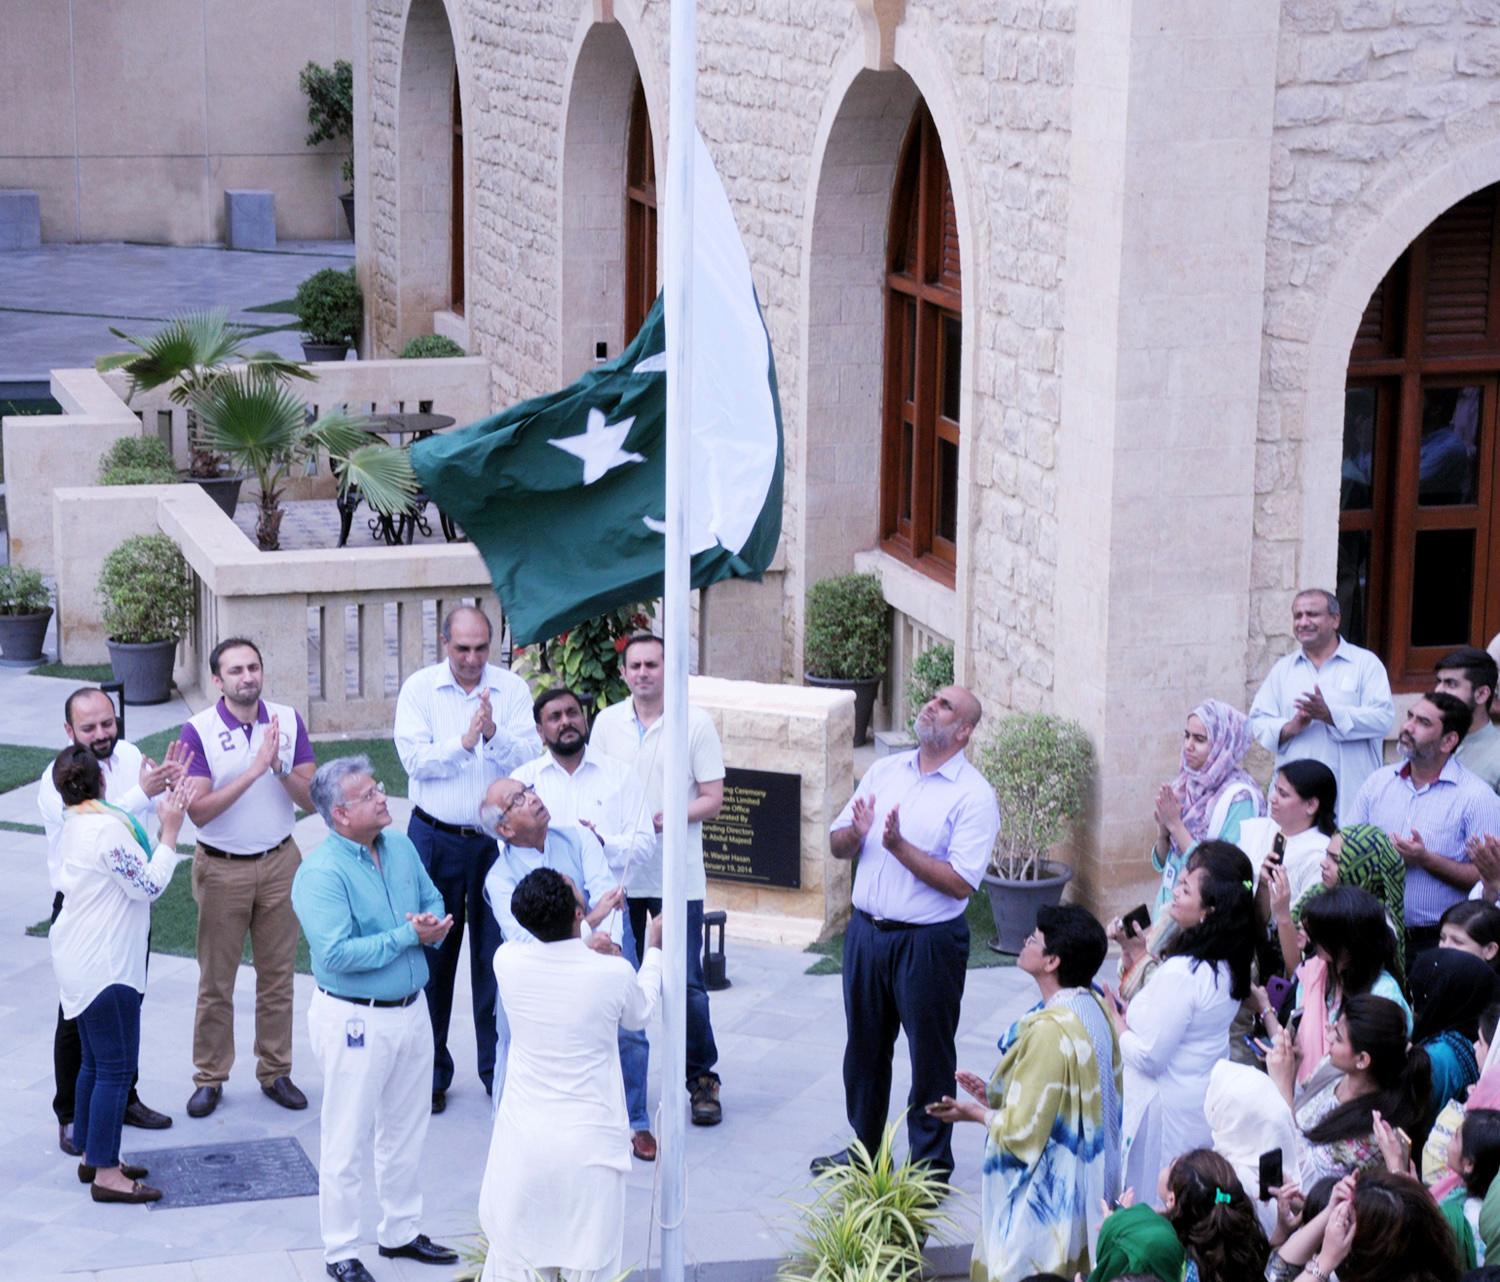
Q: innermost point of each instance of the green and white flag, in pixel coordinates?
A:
(565, 494)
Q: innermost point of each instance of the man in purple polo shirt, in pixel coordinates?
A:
(253, 765)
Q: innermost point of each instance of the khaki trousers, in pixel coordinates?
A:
(237, 897)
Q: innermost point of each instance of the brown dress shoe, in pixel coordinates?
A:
(137, 1192)
(704, 1091)
(643, 1145)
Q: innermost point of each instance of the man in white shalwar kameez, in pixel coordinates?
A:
(553, 1199)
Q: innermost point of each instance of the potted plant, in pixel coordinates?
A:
(846, 637)
(330, 112)
(586, 658)
(260, 426)
(25, 610)
(426, 347)
(191, 353)
(868, 1220)
(1041, 768)
(138, 460)
(330, 306)
(148, 601)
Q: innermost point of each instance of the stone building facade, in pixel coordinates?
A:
(1162, 225)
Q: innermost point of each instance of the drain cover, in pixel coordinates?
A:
(247, 1171)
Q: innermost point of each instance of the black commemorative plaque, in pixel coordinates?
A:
(757, 837)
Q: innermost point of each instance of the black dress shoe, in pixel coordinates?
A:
(204, 1100)
(349, 1271)
(830, 1161)
(439, 1101)
(148, 1119)
(423, 1249)
(284, 1091)
(65, 1140)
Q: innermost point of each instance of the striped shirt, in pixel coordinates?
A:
(1447, 812)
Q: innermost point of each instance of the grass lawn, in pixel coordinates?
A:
(92, 673)
(21, 764)
(981, 930)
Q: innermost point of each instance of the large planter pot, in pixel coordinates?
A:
(144, 669)
(223, 490)
(864, 700)
(347, 201)
(1014, 904)
(324, 351)
(21, 637)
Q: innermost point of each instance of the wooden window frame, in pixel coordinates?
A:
(1394, 354)
(919, 296)
(640, 216)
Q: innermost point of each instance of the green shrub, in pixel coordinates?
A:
(330, 306)
(425, 347)
(847, 630)
(137, 460)
(1041, 768)
(930, 672)
(146, 590)
(330, 106)
(22, 591)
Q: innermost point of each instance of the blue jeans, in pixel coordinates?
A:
(109, 1031)
(702, 1053)
(635, 1050)
(457, 866)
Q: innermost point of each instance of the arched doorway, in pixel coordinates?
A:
(1419, 498)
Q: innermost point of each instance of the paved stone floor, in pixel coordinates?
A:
(57, 303)
(780, 1035)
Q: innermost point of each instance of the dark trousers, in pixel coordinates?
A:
(67, 1055)
(110, 1033)
(702, 1053)
(911, 980)
(457, 866)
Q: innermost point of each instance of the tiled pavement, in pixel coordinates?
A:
(780, 1039)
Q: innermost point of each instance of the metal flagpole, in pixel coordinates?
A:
(681, 134)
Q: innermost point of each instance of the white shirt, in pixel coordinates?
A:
(554, 1182)
(433, 713)
(951, 813)
(108, 885)
(1302, 858)
(1358, 693)
(122, 787)
(619, 734)
(603, 791)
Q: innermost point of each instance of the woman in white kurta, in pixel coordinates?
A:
(1177, 1027)
(553, 1196)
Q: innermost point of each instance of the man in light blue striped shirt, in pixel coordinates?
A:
(1431, 805)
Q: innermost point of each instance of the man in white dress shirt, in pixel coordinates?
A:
(923, 825)
(460, 725)
(133, 783)
(590, 791)
(1329, 701)
(631, 731)
(553, 1198)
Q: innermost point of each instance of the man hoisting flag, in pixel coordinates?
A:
(563, 494)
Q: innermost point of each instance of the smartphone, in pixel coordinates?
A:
(1254, 1049)
(1137, 921)
(1278, 847)
(1276, 990)
(1270, 1173)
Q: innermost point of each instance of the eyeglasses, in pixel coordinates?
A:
(377, 791)
(526, 791)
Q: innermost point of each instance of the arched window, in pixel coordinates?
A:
(640, 217)
(1419, 538)
(923, 343)
(456, 239)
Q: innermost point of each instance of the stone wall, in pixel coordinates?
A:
(1386, 115)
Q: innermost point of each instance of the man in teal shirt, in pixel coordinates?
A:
(368, 907)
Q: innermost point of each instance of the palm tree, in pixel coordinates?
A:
(262, 426)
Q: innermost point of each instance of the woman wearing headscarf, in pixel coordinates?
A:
(1362, 855)
(1450, 990)
(1247, 1117)
(1211, 796)
(1136, 1240)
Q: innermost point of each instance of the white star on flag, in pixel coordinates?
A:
(599, 446)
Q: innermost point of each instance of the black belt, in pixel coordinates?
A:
(374, 1001)
(458, 830)
(885, 923)
(234, 854)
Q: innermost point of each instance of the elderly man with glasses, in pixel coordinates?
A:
(368, 908)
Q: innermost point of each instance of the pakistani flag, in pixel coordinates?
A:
(565, 495)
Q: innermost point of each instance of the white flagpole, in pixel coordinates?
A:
(681, 133)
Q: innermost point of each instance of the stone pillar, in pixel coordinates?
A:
(1172, 120)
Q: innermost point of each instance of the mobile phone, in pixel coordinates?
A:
(1270, 1173)
(1278, 847)
(1137, 921)
(1276, 990)
(1254, 1049)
